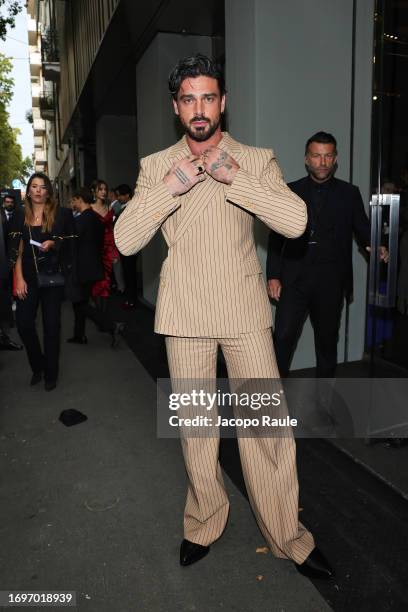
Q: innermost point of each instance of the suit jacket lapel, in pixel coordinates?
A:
(195, 201)
(234, 148)
(176, 153)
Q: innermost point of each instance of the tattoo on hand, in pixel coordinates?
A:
(183, 178)
(221, 162)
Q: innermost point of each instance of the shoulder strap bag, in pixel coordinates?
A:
(49, 277)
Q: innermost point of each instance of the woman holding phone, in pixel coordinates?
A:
(38, 239)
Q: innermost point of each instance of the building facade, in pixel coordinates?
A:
(100, 102)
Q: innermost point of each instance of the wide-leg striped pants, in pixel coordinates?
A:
(268, 463)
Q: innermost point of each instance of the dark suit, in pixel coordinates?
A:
(316, 269)
(8, 218)
(90, 232)
(88, 270)
(5, 302)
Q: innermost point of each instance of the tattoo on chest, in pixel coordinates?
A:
(221, 162)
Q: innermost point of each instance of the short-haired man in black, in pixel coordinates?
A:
(312, 274)
(9, 203)
(124, 194)
(6, 315)
(88, 269)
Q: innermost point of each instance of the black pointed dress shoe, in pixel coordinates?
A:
(191, 552)
(315, 566)
(36, 378)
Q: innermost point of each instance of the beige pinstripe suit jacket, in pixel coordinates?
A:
(211, 283)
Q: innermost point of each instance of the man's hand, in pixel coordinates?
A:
(274, 288)
(183, 175)
(220, 165)
(383, 253)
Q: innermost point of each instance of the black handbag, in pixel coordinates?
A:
(49, 276)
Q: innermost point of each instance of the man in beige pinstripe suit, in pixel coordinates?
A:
(203, 193)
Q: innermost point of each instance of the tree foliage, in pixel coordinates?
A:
(9, 9)
(12, 164)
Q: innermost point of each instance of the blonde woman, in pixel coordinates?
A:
(38, 237)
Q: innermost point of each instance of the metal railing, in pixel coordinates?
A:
(49, 45)
(47, 103)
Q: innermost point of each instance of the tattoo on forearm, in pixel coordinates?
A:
(183, 178)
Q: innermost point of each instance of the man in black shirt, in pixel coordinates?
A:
(312, 274)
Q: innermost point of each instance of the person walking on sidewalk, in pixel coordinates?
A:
(39, 237)
(88, 269)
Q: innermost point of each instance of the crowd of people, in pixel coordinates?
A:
(50, 253)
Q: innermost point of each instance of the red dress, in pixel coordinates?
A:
(102, 287)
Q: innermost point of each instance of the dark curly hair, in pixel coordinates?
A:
(194, 66)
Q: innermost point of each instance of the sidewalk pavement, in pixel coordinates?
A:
(97, 508)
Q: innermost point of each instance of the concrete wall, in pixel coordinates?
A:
(289, 74)
(116, 149)
(157, 126)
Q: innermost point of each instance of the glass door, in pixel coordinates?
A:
(387, 315)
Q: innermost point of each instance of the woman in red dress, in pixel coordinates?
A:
(101, 289)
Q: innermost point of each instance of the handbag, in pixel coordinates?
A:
(49, 277)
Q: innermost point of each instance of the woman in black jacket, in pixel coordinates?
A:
(40, 240)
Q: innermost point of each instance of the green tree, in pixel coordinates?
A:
(12, 164)
(9, 9)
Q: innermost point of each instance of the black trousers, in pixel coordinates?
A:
(46, 361)
(130, 278)
(319, 292)
(6, 314)
(83, 310)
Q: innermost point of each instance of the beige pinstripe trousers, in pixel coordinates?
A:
(268, 464)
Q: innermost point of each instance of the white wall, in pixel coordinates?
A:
(290, 77)
(157, 126)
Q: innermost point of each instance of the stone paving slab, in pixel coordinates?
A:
(97, 508)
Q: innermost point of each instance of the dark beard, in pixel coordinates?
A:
(203, 135)
(318, 179)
